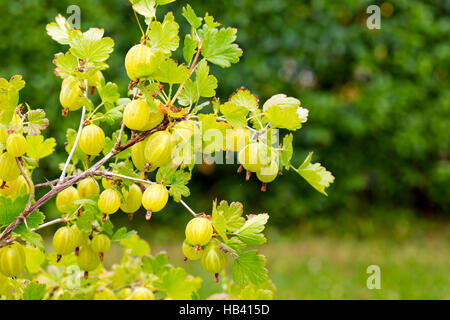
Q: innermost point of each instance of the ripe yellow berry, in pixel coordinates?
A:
(182, 131)
(96, 79)
(158, 149)
(142, 293)
(213, 259)
(137, 116)
(71, 96)
(14, 188)
(138, 62)
(64, 240)
(254, 156)
(12, 260)
(16, 145)
(100, 243)
(105, 294)
(190, 252)
(92, 139)
(137, 155)
(237, 138)
(9, 170)
(65, 200)
(199, 231)
(268, 173)
(155, 197)
(88, 189)
(87, 259)
(109, 201)
(133, 199)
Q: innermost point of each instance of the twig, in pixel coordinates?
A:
(188, 208)
(193, 65)
(112, 174)
(50, 223)
(51, 183)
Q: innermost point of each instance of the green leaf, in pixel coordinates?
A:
(34, 259)
(34, 220)
(156, 265)
(135, 246)
(207, 83)
(235, 115)
(147, 8)
(122, 234)
(66, 64)
(9, 97)
(110, 142)
(189, 95)
(164, 36)
(213, 133)
(203, 86)
(59, 30)
(33, 238)
(250, 268)
(191, 17)
(286, 151)
(176, 179)
(177, 285)
(285, 112)
(34, 291)
(233, 214)
(36, 122)
(210, 23)
(90, 45)
(125, 168)
(251, 231)
(252, 293)
(219, 222)
(11, 209)
(219, 47)
(315, 174)
(245, 98)
(170, 72)
(85, 220)
(189, 48)
(109, 94)
(37, 148)
(163, 2)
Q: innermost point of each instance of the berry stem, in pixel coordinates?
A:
(188, 208)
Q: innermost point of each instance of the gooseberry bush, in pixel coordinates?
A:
(169, 121)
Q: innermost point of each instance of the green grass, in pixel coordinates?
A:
(304, 265)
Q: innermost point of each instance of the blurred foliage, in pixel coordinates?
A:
(379, 100)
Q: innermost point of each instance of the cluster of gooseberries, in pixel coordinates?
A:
(11, 179)
(89, 249)
(199, 244)
(110, 200)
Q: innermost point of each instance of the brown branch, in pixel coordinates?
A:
(27, 211)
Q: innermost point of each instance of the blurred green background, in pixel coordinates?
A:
(379, 104)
